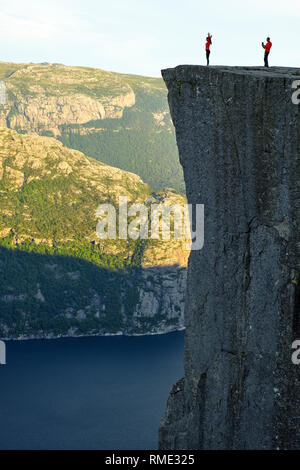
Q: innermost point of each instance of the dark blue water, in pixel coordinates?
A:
(87, 393)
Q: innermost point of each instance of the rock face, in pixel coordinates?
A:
(121, 120)
(238, 135)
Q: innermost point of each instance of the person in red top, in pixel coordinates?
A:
(267, 49)
(207, 47)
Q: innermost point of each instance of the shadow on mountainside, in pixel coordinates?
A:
(45, 295)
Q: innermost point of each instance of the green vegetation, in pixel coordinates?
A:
(68, 285)
(136, 142)
(45, 293)
(135, 132)
(56, 276)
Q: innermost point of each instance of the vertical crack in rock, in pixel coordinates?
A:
(238, 135)
(296, 317)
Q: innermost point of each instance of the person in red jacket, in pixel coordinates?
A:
(207, 47)
(267, 49)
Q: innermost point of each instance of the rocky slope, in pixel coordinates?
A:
(121, 120)
(238, 134)
(47, 96)
(57, 277)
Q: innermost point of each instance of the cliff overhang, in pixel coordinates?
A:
(238, 134)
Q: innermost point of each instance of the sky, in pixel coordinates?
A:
(145, 36)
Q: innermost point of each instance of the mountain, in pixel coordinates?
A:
(241, 385)
(121, 120)
(56, 276)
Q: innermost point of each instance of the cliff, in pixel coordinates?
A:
(238, 135)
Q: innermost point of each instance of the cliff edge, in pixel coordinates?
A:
(238, 134)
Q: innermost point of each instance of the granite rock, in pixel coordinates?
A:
(238, 135)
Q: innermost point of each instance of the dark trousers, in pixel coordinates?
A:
(266, 59)
(207, 56)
